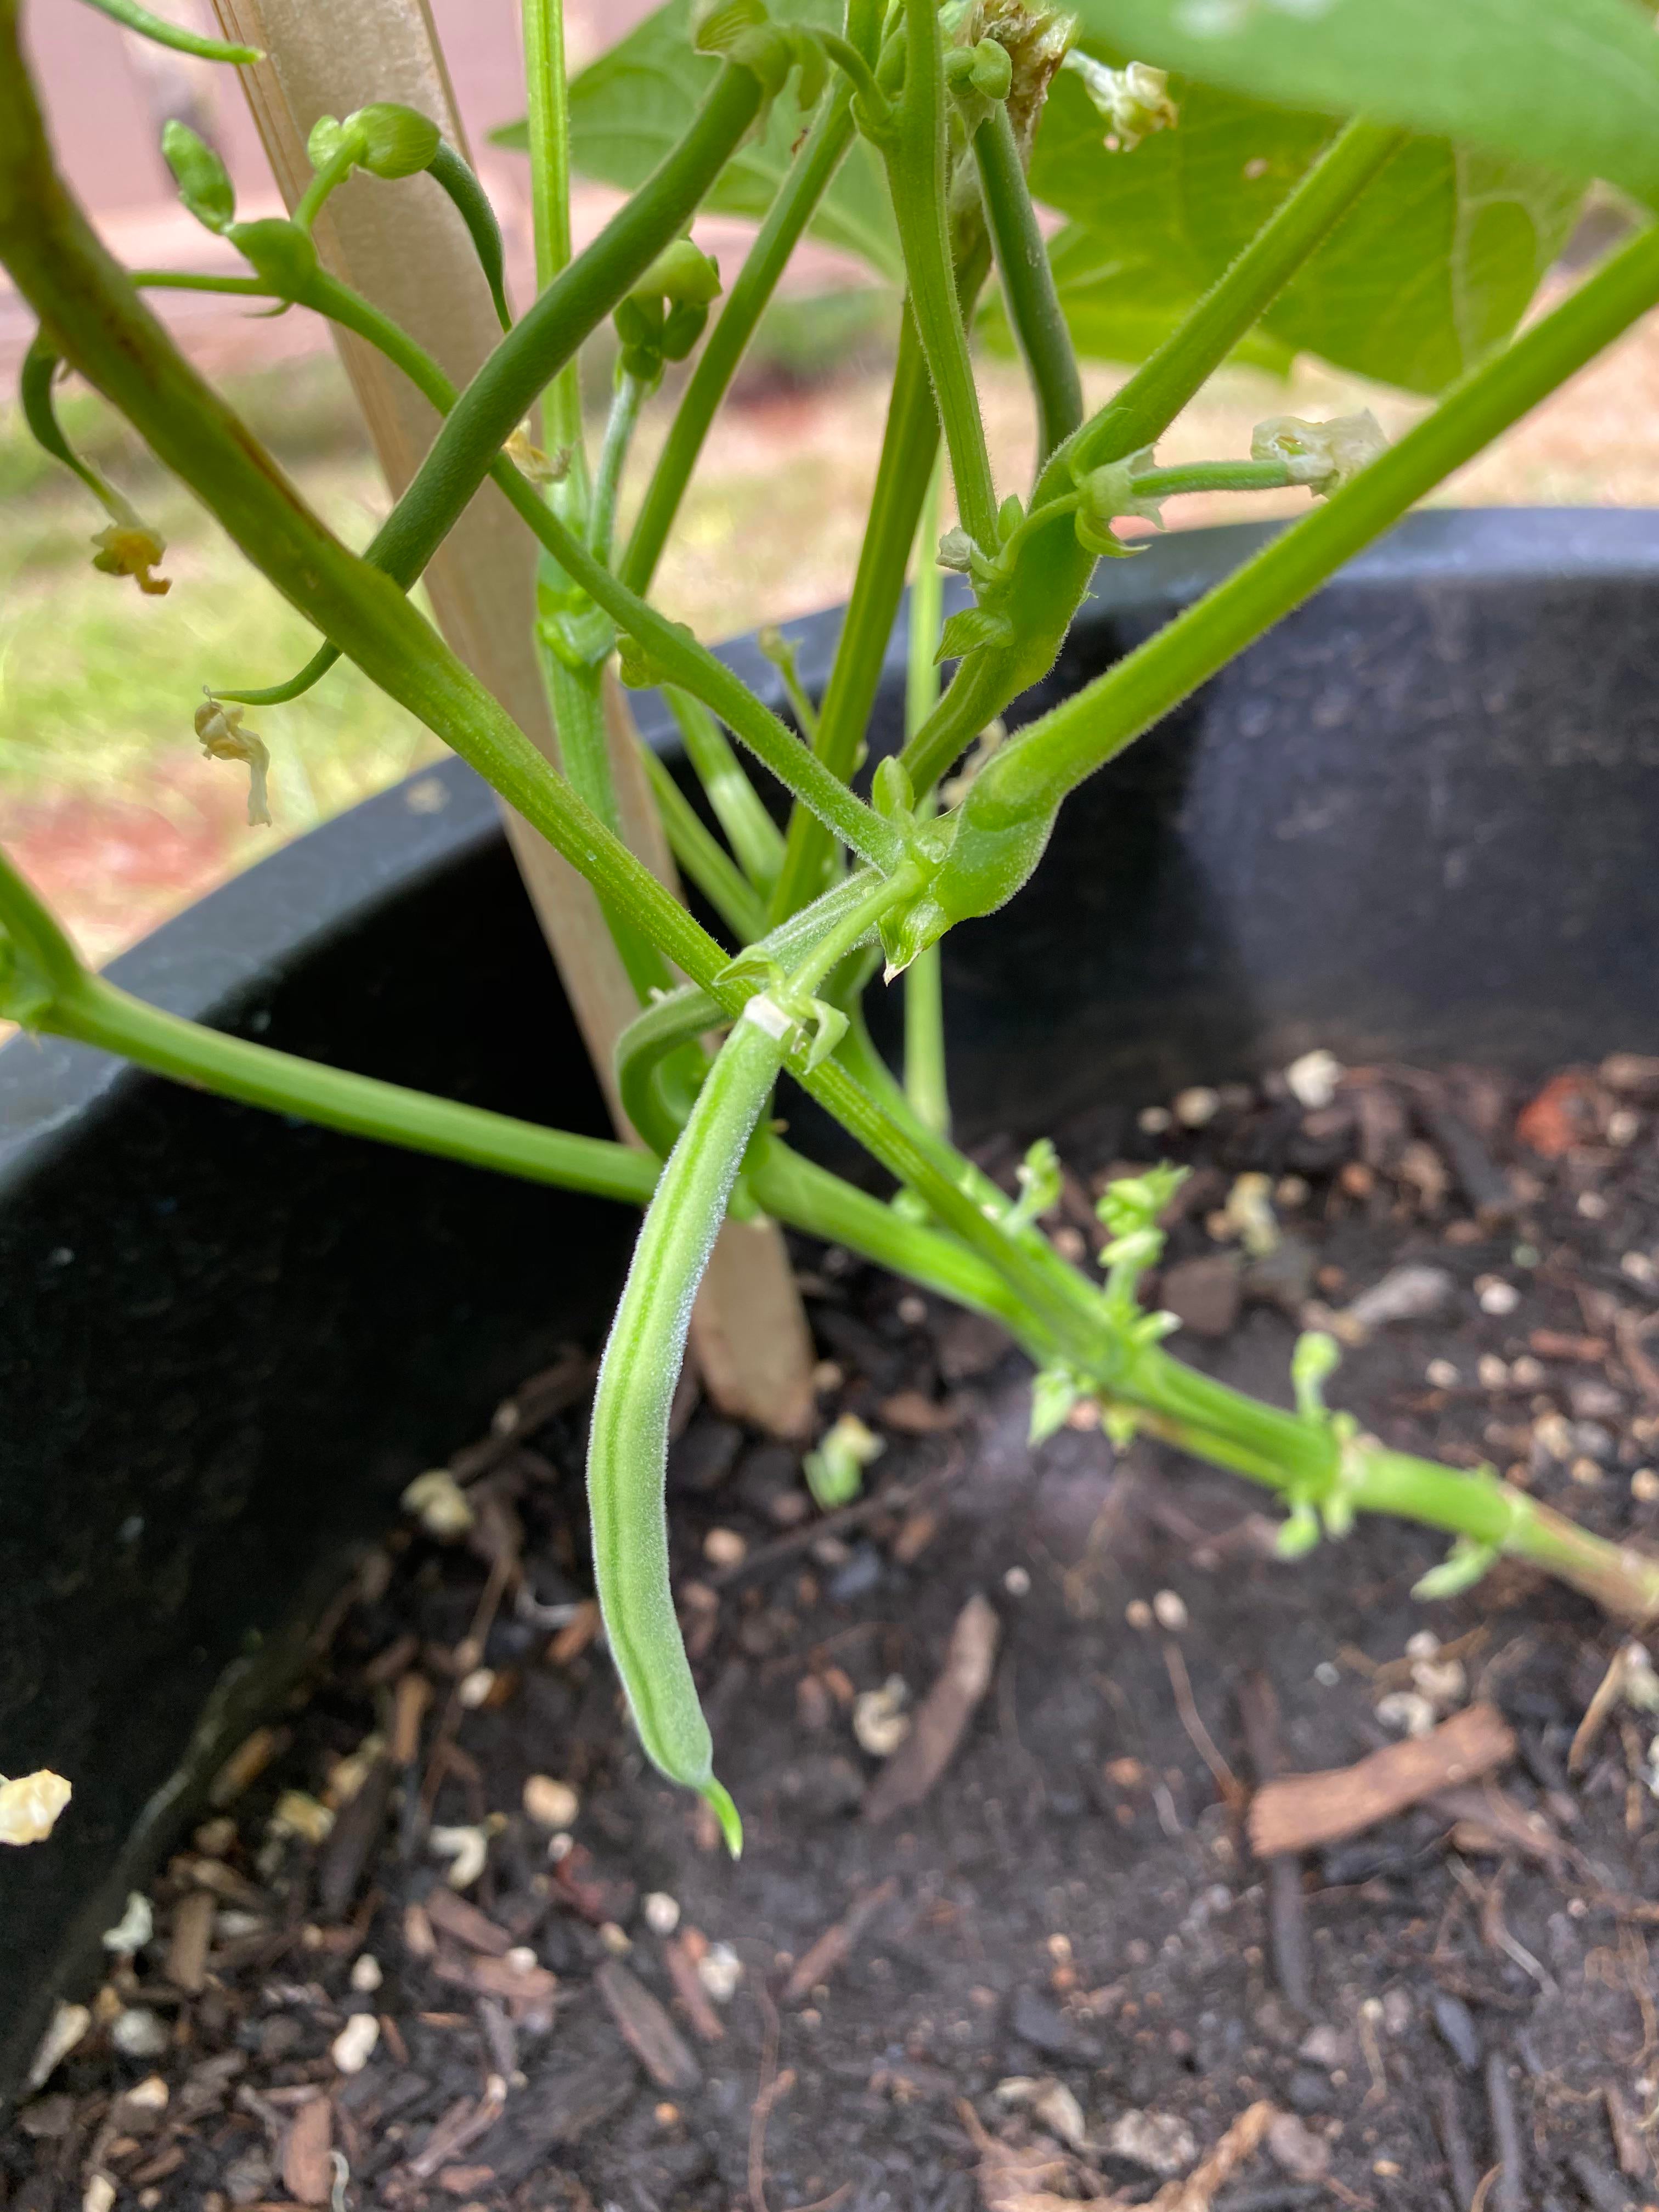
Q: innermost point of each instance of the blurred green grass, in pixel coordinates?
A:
(98, 683)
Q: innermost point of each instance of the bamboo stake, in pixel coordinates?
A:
(404, 247)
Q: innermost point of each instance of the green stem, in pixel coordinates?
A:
(909, 449)
(1054, 754)
(1034, 314)
(1139, 413)
(1138, 416)
(703, 857)
(161, 33)
(752, 834)
(1214, 476)
(619, 426)
(916, 149)
(85, 1007)
(925, 1082)
(329, 178)
(809, 1198)
(577, 698)
(787, 219)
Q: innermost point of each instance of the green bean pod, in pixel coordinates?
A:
(628, 1442)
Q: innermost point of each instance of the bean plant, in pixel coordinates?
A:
(1383, 182)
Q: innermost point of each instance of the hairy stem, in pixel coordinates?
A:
(925, 1082)
(1034, 314)
(916, 150)
(787, 219)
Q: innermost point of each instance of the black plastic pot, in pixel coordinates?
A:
(1417, 821)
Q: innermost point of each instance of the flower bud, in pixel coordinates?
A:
(388, 140)
(203, 182)
(1133, 102)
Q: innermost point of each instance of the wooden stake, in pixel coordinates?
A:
(404, 246)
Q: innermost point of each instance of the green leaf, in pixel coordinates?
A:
(1121, 307)
(1425, 276)
(1572, 83)
(637, 100)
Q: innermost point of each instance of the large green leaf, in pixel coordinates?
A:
(1572, 83)
(1121, 307)
(1431, 270)
(637, 100)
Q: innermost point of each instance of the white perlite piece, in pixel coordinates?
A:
(69, 2023)
(440, 1504)
(550, 1804)
(133, 1929)
(30, 1805)
(353, 2046)
(1314, 1078)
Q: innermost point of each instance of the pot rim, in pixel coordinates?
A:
(225, 950)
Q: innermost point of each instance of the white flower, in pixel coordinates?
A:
(1324, 456)
(1133, 102)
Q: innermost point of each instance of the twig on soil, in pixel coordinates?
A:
(889, 1499)
(1626, 2130)
(1296, 1812)
(1242, 2140)
(1454, 2141)
(1233, 1792)
(942, 1716)
(1494, 1931)
(1287, 1916)
(502, 1568)
(689, 1989)
(1608, 1690)
(766, 2094)
(1509, 2186)
(647, 2029)
(821, 1959)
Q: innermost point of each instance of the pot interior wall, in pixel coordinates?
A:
(1415, 823)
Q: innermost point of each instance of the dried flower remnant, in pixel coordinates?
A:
(132, 549)
(1133, 102)
(30, 1805)
(220, 728)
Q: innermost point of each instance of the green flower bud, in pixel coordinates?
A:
(682, 273)
(203, 182)
(279, 251)
(389, 140)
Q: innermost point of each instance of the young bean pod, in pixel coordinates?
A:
(628, 1442)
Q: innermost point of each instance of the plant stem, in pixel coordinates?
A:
(1056, 752)
(924, 1083)
(909, 447)
(547, 113)
(1139, 413)
(1138, 416)
(619, 426)
(916, 150)
(752, 834)
(1034, 314)
(702, 855)
(808, 1197)
(93, 1012)
(787, 219)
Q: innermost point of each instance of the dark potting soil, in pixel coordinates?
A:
(447, 1940)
